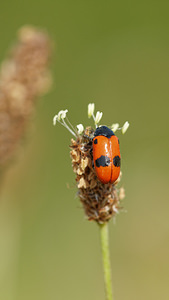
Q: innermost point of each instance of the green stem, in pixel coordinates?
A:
(106, 260)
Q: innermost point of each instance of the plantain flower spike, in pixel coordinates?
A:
(100, 201)
(24, 76)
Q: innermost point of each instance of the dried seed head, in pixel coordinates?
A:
(24, 76)
(100, 201)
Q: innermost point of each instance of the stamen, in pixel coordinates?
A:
(80, 128)
(91, 107)
(115, 126)
(71, 125)
(98, 117)
(125, 127)
(66, 126)
(60, 118)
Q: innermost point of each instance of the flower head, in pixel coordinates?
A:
(100, 201)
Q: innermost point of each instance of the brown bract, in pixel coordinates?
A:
(24, 76)
(100, 201)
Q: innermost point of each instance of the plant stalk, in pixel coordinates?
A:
(106, 260)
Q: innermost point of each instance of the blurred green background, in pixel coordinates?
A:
(116, 55)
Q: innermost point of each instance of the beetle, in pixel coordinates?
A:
(106, 155)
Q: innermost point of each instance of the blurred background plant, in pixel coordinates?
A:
(116, 55)
(24, 77)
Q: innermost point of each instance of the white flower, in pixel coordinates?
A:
(90, 109)
(125, 127)
(98, 117)
(115, 126)
(80, 128)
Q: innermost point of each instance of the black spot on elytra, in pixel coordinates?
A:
(95, 141)
(116, 161)
(102, 161)
(118, 141)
